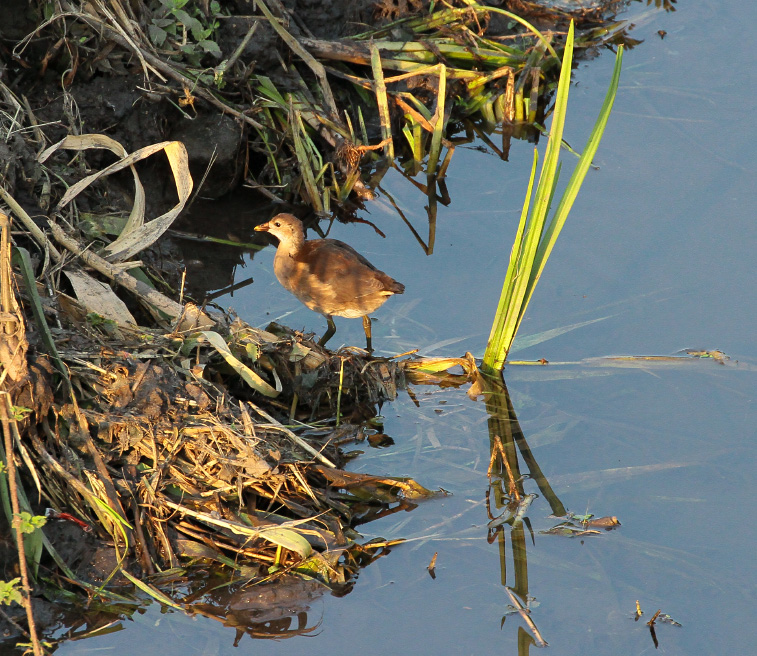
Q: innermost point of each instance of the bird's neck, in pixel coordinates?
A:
(293, 244)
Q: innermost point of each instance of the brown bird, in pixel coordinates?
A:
(327, 275)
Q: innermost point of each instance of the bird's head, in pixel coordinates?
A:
(287, 228)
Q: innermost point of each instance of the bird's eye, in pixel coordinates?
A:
(277, 224)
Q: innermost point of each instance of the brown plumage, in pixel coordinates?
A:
(327, 275)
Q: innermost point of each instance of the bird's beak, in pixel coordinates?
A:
(263, 227)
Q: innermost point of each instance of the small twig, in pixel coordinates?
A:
(14, 624)
(141, 545)
(36, 128)
(191, 315)
(32, 227)
(240, 48)
(129, 40)
(55, 466)
(492, 459)
(208, 168)
(512, 488)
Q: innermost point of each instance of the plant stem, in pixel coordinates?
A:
(6, 419)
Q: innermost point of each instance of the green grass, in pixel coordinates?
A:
(535, 238)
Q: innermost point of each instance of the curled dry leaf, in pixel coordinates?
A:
(137, 235)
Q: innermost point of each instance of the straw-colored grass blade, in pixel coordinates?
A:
(438, 122)
(247, 374)
(381, 101)
(151, 591)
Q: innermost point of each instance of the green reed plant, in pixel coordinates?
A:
(535, 238)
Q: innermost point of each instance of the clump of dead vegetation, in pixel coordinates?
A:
(185, 444)
(198, 439)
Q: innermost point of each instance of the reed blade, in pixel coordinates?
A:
(535, 237)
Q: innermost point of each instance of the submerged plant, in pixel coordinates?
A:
(534, 238)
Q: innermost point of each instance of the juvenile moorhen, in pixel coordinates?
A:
(327, 275)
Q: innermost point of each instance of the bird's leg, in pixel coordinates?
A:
(367, 328)
(329, 331)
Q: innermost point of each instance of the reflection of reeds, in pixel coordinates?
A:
(534, 238)
(507, 441)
